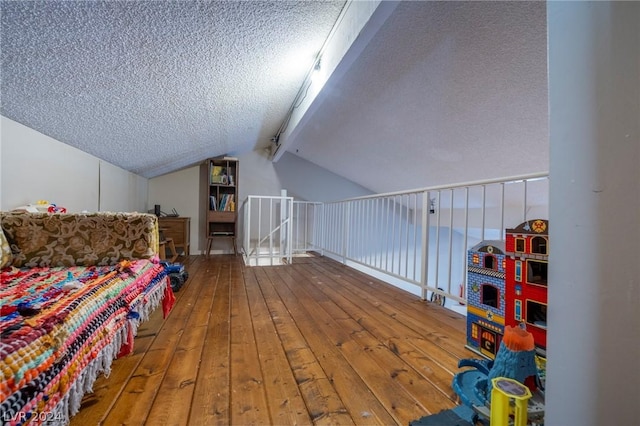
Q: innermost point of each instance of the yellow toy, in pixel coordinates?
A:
(505, 389)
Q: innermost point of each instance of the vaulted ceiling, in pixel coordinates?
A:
(443, 92)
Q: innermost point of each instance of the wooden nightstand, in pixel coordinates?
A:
(179, 230)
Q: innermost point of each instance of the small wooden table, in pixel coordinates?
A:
(164, 243)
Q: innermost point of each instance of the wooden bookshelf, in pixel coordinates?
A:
(220, 200)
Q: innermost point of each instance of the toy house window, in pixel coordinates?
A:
(490, 262)
(489, 294)
(520, 245)
(537, 272)
(539, 245)
(537, 313)
(474, 331)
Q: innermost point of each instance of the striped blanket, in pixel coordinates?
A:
(62, 326)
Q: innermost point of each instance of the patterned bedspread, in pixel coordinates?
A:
(63, 326)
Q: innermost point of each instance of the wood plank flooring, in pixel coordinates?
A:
(313, 342)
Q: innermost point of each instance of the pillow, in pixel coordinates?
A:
(5, 251)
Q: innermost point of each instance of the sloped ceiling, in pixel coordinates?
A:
(444, 92)
(153, 86)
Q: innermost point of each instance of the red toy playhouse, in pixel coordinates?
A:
(527, 254)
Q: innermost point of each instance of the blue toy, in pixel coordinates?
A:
(515, 360)
(178, 275)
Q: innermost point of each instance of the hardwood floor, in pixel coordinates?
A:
(313, 342)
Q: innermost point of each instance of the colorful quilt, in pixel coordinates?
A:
(60, 327)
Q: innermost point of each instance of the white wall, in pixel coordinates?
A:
(307, 181)
(179, 190)
(120, 190)
(35, 167)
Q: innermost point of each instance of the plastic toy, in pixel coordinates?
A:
(55, 209)
(42, 206)
(178, 275)
(485, 297)
(527, 250)
(515, 360)
(504, 391)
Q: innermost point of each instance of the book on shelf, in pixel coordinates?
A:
(213, 205)
(218, 175)
(227, 203)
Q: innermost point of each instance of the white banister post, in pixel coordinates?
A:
(289, 230)
(345, 240)
(247, 229)
(424, 259)
(322, 220)
(284, 238)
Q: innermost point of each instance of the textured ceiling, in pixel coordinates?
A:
(444, 92)
(153, 86)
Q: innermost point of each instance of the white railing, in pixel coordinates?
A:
(268, 230)
(417, 239)
(306, 227)
(276, 228)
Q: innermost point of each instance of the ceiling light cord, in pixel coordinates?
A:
(317, 64)
(300, 97)
(285, 123)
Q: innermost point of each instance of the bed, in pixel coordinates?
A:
(62, 325)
